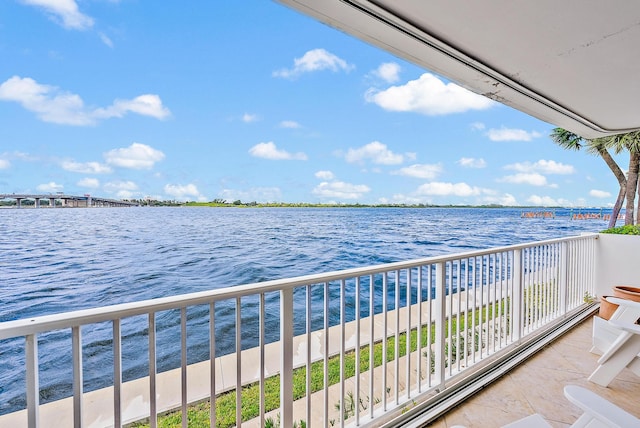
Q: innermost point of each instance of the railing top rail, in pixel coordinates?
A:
(33, 325)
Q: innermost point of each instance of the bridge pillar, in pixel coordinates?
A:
(19, 202)
(37, 204)
(52, 202)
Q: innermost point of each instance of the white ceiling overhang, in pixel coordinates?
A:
(572, 63)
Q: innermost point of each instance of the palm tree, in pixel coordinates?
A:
(569, 140)
(631, 143)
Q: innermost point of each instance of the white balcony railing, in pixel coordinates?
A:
(436, 319)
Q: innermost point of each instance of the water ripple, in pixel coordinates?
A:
(69, 259)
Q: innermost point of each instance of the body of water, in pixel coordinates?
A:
(59, 260)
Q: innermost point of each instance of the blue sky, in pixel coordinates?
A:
(249, 100)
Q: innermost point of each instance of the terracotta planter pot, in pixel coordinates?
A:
(606, 308)
(627, 292)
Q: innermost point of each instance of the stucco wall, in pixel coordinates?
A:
(618, 262)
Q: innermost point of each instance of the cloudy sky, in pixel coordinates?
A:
(249, 100)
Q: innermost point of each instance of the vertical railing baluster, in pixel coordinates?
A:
(564, 271)
(459, 299)
(495, 302)
(371, 342)
(526, 292)
(183, 364)
(286, 366)
(466, 312)
(396, 344)
(592, 263)
(153, 407)
(504, 283)
(385, 333)
(357, 373)
(547, 284)
(408, 337)
(440, 317)
(539, 291)
(212, 363)
(33, 383)
(553, 283)
(308, 363)
(343, 322)
(482, 318)
(474, 310)
(430, 320)
(498, 303)
(517, 297)
(326, 354)
(449, 315)
(556, 278)
(238, 362)
(419, 331)
(76, 339)
(262, 360)
(117, 374)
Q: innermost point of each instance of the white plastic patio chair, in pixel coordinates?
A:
(598, 413)
(605, 333)
(622, 353)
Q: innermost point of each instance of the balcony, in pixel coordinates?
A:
(475, 316)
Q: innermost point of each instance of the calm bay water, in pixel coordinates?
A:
(58, 260)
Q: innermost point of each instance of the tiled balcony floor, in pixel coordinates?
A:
(537, 387)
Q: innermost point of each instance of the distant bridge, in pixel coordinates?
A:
(68, 201)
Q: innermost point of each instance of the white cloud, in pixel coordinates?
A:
(377, 152)
(257, 194)
(314, 60)
(325, 175)
(4, 164)
(542, 166)
(86, 167)
(450, 189)
(340, 190)
(270, 151)
(248, 118)
(472, 163)
(114, 186)
(505, 134)
(425, 171)
(428, 95)
(122, 189)
(506, 199)
(548, 201)
(533, 179)
(136, 156)
(186, 192)
(388, 71)
(146, 105)
(55, 106)
(92, 183)
(106, 40)
(290, 124)
(599, 194)
(64, 12)
(50, 187)
(477, 126)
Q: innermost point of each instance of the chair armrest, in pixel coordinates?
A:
(627, 310)
(624, 302)
(626, 326)
(599, 408)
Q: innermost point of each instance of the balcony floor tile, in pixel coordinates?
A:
(537, 387)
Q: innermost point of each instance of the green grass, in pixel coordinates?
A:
(198, 415)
